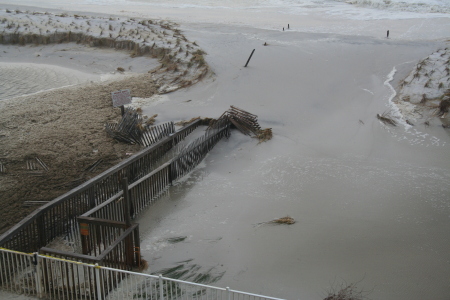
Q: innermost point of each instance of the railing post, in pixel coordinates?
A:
(91, 197)
(41, 231)
(98, 282)
(126, 202)
(161, 288)
(228, 294)
(37, 270)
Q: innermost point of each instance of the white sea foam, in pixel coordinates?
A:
(421, 6)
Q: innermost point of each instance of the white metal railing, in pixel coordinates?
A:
(54, 278)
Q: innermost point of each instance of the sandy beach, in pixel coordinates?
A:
(370, 200)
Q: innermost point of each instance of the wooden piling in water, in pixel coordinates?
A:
(249, 58)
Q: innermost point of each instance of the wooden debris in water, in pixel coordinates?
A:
(386, 119)
(349, 292)
(244, 121)
(264, 135)
(284, 220)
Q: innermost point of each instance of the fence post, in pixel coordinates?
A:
(98, 282)
(169, 170)
(228, 294)
(161, 289)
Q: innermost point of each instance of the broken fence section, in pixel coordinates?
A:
(132, 129)
(244, 121)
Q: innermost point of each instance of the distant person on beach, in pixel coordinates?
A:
(387, 35)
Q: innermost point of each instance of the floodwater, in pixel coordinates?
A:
(371, 201)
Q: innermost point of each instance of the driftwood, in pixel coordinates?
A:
(386, 120)
(284, 220)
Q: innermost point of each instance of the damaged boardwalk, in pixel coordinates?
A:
(95, 219)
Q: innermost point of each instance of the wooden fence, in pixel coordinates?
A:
(59, 217)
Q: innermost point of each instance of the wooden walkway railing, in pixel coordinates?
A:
(98, 213)
(59, 217)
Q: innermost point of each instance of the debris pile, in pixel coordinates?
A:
(133, 129)
(245, 122)
(264, 135)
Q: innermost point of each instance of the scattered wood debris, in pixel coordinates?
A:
(33, 203)
(94, 166)
(284, 220)
(386, 119)
(36, 164)
(264, 135)
(348, 292)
